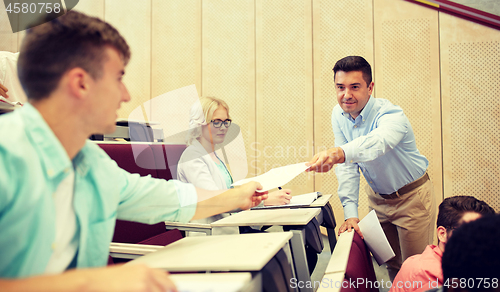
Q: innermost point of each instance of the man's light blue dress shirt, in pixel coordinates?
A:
(379, 142)
(32, 164)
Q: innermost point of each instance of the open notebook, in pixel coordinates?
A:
(295, 201)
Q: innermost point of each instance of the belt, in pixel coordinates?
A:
(409, 187)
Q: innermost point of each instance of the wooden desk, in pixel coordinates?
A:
(320, 202)
(331, 282)
(243, 252)
(298, 218)
(326, 218)
(196, 227)
(335, 271)
(220, 282)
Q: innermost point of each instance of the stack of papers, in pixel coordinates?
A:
(7, 105)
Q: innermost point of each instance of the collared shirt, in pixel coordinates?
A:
(379, 142)
(196, 166)
(420, 272)
(33, 163)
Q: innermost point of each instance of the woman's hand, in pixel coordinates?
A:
(278, 198)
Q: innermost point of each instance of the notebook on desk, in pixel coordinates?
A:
(295, 201)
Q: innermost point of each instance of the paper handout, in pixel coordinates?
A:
(375, 238)
(276, 177)
(9, 105)
(295, 201)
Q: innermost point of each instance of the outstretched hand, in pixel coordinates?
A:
(132, 278)
(325, 160)
(249, 195)
(109, 279)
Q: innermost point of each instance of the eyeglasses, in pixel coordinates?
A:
(218, 123)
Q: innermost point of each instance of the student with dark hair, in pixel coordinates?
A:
(424, 270)
(375, 137)
(471, 261)
(60, 194)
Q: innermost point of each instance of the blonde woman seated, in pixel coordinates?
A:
(199, 163)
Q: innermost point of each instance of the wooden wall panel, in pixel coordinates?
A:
(93, 8)
(176, 45)
(176, 63)
(133, 20)
(90, 7)
(228, 70)
(340, 29)
(20, 37)
(407, 73)
(470, 69)
(272, 60)
(8, 39)
(284, 86)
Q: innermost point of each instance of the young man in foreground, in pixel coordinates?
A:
(60, 194)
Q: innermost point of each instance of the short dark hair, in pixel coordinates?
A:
(354, 63)
(452, 209)
(472, 253)
(69, 41)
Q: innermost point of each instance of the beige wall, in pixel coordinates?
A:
(272, 60)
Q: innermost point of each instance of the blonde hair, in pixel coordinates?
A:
(209, 105)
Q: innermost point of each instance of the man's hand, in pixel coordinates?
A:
(249, 197)
(324, 160)
(113, 279)
(351, 223)
(278, 198)
(3, 91)
(130, 278)
(215, 202)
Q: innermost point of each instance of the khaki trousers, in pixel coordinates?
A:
(408, 222)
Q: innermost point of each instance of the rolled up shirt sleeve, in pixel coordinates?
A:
(348, 191)
(391, 129)
(150, 200)
(347, 176)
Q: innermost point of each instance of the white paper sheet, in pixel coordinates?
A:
(299, 200)
(375, 238)
(7, 104)
(276, 177)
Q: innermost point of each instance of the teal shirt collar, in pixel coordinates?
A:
(52, 154)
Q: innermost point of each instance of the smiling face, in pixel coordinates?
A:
(214, 135)
(107, 94)
(352, 91)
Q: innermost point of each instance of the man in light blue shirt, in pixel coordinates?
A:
(375, 137)
(60, 194)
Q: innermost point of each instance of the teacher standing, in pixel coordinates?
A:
(375, 137)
